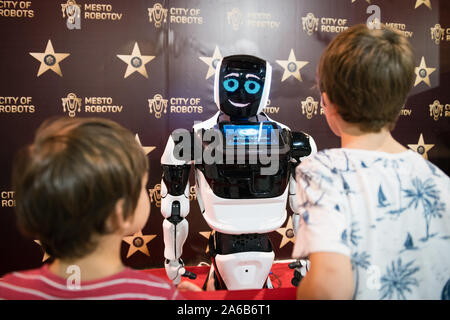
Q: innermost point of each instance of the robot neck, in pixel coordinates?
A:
(226, 118)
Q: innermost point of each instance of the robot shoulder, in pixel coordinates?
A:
(207, 124)
(282, 126)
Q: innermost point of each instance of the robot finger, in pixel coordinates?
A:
(295, 282)
(189, 275)
(295, 265)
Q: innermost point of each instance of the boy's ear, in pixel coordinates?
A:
(331, 108)
(116, 220)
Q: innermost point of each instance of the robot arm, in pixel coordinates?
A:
(303, 145)
(174, 208)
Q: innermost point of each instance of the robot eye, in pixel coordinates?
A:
(231, 85)
(251, 86)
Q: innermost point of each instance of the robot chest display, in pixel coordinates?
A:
(248, 162)
(246, 181)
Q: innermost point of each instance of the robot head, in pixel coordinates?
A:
(242, 85)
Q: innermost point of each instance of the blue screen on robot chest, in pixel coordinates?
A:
(236, 135)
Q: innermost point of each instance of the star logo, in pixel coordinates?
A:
(46, 255)
(423, 73)
(206, 234)
(421, 148)
(49, 59)
(138, 242)
(292, 67)
(212, 62)
(135, 61)
(146, 149)
(421, 2)
(287, 233)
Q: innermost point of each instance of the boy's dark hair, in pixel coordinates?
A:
(69, 180)
(367, 74)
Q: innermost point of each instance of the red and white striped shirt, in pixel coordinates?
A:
(38, 284)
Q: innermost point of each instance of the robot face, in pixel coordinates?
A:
(240, 84)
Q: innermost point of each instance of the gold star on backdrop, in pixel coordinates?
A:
(49, 59)
(46, 255)
(206, 234)
(287, 233)
(421, 148)
(423, 73)
(135, 61)
(138, 242)
(146, 149)
(421, 2)
(212, 62)
(292, 67)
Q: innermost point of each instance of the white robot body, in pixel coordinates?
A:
(239, 202)
(240, 216)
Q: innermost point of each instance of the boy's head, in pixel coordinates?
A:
(367, 75)
(80, 179)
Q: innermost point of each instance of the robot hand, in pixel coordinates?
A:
(295, 222)
(301, 267)
(175, 270)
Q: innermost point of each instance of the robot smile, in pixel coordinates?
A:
(239, 105)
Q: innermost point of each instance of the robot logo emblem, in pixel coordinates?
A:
(71, 104)
(73, 12)
(437, 33)
(157, 14)
(309, 107)
(436, 110)
(235, 18)
(155, 195)
(310, 23)
(158, 105)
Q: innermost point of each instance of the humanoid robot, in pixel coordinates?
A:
(242, 199)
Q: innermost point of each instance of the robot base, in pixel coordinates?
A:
(240, 261)
(244, 270)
